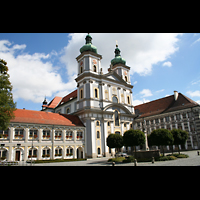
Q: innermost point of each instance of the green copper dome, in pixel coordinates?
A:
(88, 45)
(118, 59)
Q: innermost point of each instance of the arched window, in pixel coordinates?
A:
(115, 99)
(46, 152)
(98, 123)
(99, 151)
(94, 68)
(95, 93)
(81, 70)
(68, 110)
(58, 151)
(19, 133)
(126, 79)
(33, 133)
(58, 134)
(4, 134)
(46, 134)
(32, 153)
(128, 99)
(116, 118)
(69, 151)
(117, 132)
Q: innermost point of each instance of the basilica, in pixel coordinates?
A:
(103, 102)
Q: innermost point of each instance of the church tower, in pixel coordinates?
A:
(118, 64)
(89, 60)
(89, 64)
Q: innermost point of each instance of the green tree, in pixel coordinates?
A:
(115, 141)
(161, 137)
(7, 106)
(133, 138)
(180, 137)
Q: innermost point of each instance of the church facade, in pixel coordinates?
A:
(103, 102)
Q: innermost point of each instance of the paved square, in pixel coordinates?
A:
(193, 160)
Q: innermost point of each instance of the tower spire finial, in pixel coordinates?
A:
(116, 43)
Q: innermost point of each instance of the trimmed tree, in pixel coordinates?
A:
(180, 137)
(133, 138)
(7, 106)
(115, 141)
(161, 137)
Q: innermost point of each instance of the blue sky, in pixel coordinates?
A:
(44, 63)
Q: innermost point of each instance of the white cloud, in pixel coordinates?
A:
(32, 76)
(194, 94)
(168, 64)
(198, 101)
(160, 91)
(146, 93)
(141, 51)
(135, 83)
(198, 40)
(138, 102)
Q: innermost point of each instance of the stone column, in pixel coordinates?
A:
(26, 134)
(25, 157)
(146, 142)
(11, 134)
(105, 137)
(40, 132)
(39, 152)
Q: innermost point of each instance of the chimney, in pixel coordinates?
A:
(175, 95)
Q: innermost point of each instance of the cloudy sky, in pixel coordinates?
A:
(44, 63)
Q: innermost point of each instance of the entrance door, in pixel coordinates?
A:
(17, 156)
(79, 153)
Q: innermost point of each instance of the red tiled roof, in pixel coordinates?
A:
(164, 105)
(68, 97)
(48, 118)
(53, 103)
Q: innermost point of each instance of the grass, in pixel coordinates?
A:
(119, 159)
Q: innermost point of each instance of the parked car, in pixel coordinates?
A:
(120, 154)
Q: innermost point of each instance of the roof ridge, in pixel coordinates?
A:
(154, 101)
(190, 100)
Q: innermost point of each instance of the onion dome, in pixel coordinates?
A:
(118, 59)
(45, 101)
(88, 45)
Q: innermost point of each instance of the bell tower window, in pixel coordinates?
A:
(94, 68)
(81, 70)
(81, 93)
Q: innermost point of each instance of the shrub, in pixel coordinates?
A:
(182, 156)
(165, 158)
(129, 159)
(177, 155)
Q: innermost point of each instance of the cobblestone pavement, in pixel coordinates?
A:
(193, 160)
